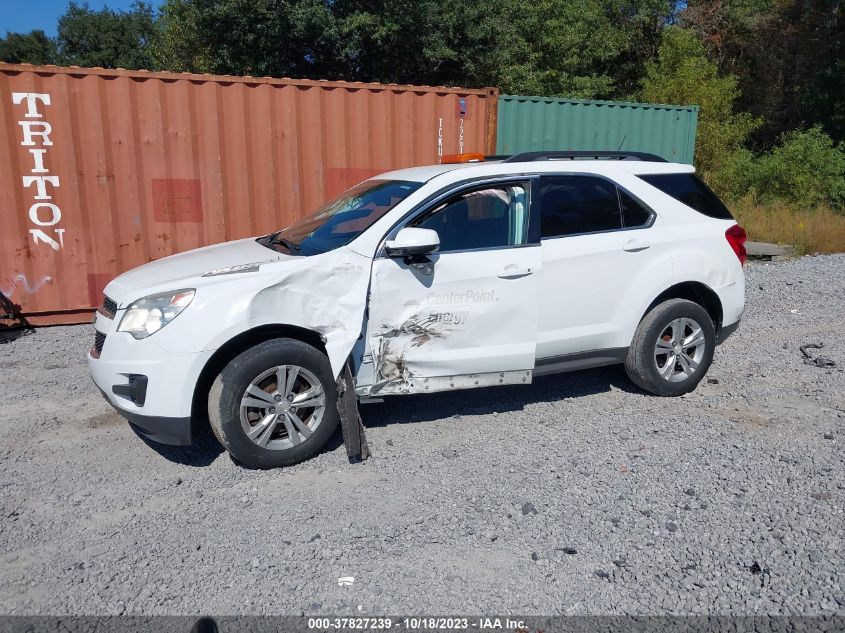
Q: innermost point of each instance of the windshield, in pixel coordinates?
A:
(340, 221)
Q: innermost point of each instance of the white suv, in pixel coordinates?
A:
(453, 276)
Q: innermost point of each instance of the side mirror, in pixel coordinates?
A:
(413, 241)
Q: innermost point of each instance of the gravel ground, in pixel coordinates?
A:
(577, 494)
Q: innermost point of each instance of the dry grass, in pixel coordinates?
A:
(818, 230)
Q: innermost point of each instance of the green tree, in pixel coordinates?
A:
(179, 46)
(726, 28)
(789, 56)
(577, 48)
(682, 75)
(585, 48)
(106, 38)
(28, 48)
(582, 48)
(419, 42)
(248, 37)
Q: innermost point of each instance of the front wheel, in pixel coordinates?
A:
(672, 348)
(275, 404)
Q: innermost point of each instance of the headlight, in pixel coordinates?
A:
(148, 315)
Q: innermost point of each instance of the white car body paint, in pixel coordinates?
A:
(478, 318)
(280, 292)
(471, 314)
(592, 288)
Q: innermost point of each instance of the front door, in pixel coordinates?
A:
(465, 316)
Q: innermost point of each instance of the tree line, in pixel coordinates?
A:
(768, 75)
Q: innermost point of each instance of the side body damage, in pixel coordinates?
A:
(450, 324)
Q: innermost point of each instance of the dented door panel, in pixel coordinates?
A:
(464, 319)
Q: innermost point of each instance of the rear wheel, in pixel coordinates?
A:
(672, 348)
(274, 404)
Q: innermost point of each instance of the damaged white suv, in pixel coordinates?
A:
(453, 276)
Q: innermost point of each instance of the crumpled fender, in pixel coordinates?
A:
(329, 296)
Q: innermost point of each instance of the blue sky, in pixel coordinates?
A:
(26, 15)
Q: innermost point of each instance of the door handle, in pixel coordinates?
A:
(634, 245)
(512, 271)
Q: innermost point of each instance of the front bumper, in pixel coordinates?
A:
(172, 431)
(149, 386)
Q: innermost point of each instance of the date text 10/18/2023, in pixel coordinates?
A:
(417, 623)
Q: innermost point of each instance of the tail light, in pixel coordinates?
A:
(736, 238)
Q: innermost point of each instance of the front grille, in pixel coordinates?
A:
(109, 307)
(99, 341)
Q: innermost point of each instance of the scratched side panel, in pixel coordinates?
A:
(152, 164)
(453, 323)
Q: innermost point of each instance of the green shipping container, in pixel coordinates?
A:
(528, 124)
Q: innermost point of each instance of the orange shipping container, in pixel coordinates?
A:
(104, 170)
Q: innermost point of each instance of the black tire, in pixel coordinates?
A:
(640, 364)
(224, 400)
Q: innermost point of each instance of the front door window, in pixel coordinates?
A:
(492, 217)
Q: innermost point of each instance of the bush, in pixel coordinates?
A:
(736, 176)
(807, 169)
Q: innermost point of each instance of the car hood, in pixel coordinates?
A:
(185, 269)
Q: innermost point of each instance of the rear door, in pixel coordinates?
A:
(603, 253)
(465, 316)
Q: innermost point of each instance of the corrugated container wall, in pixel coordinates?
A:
(528, 124)
(104, 170)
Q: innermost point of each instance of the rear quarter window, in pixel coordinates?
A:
(691, 190)
(633, 213)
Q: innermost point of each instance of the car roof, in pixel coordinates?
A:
(495, 168)
(423, 173)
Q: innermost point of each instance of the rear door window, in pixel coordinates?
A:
(691, 190)
(578, 204)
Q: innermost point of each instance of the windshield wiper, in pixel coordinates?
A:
(293, 247)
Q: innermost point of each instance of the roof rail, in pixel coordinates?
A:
(530, 157)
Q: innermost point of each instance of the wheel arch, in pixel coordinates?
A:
(234, 346)
(696, 292)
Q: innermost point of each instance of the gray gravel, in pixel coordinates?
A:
(577, 494)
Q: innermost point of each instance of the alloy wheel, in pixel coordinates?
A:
(282, 407)
(679, 349)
